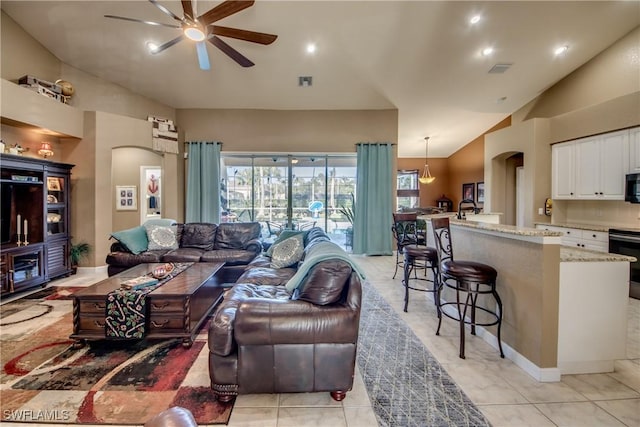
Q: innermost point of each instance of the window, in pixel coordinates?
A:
(408, 194)
(289, 191)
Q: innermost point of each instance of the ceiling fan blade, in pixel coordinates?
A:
(203, 57)
(231, 52)
(250, 36)
(124, 18)
(187, 8)
(223, 10)
(168, 44)
(165, 10)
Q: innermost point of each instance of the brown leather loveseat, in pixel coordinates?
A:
(295, 335)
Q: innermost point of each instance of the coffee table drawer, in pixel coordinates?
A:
(92, 324)
(90, 307)
(166, 305)
(159, 323)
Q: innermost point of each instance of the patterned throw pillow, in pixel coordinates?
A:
(287, 252)
(162, 237)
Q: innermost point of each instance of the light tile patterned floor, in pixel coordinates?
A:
(505, 394)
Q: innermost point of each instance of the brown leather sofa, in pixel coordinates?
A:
(266, 339)
(237, 244)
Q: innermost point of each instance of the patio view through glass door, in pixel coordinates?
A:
(290, 192)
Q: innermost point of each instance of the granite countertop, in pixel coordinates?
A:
(591, 227)
(568, 254)
(507, 229)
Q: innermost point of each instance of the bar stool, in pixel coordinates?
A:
(405, 232)
(418, 256)
(468, 279)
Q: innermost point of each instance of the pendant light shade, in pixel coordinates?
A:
(426, 177)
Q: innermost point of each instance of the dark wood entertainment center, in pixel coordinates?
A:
(34, 222)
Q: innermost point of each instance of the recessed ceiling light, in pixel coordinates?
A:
(560, 50)
(474, 20)
(152, 47)
(487, 51)
(311, 48)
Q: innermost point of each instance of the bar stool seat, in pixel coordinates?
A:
(469, 279)
(470, 270)
(419, 256)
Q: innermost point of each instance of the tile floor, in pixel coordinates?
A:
(504, 393)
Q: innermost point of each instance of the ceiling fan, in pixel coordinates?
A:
(200, 30)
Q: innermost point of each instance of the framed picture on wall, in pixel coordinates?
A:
(126, 198)
(467, 191)
(480, 192)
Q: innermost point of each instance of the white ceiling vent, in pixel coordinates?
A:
(305, 81)
(499, 68)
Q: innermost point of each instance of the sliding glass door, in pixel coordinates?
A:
(289, 192)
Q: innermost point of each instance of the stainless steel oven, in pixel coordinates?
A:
(627, 242)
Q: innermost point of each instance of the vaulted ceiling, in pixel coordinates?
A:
(423, 58)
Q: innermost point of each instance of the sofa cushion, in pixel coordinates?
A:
(183, 255)
(162, 237)
(267, 276)
(228, 256)
(284, 235)
(260, 261)
(288, 252)
(198, 235)
(324, 283)
(133, 239)
(236, 235)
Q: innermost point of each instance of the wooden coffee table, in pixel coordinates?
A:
(176, 309)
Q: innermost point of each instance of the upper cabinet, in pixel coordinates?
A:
(592, 168)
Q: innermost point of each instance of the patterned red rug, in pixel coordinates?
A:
(45, 379)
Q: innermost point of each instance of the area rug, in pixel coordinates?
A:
(406, 384)
(46, 379)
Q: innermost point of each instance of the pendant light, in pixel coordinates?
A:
(426, 177)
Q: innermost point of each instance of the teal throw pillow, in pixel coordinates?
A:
(134, 239)
(162, 237)
(284, 236)
(288, 252)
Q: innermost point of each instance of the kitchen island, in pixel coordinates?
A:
(564, 308)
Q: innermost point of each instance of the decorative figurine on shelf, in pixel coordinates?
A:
(67, 90)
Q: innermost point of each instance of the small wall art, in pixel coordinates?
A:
(126, 198)
(467, 191)
(480, 192)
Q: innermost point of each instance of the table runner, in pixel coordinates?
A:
(125, 311)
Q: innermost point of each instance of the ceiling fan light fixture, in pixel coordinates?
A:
(194, 33)
(426, 177)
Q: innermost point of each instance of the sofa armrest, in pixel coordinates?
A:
(254, 245)
(270, 322)
(118, 247)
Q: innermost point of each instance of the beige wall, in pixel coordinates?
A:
(611, 74)
(22, 54)
(601, 96)
(283, 131)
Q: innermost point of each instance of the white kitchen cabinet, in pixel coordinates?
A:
(601, 166)
(563, 170)
(634, 150)
(592, 168)
(580, 238)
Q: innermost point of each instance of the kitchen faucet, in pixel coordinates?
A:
(461, 215)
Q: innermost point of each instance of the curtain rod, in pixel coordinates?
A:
(206, 142)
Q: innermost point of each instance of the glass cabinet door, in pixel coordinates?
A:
(56, 204)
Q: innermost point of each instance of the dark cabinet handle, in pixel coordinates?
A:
(159, 325)
(160, 306)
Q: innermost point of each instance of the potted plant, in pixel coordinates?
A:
(76, 253)
(349, 212)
